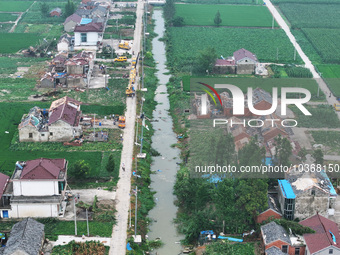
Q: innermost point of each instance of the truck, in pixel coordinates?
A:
(121, 122)
(120, 59)
(124, 46)
(337, 107)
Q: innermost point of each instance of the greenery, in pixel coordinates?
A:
(232, 15)
(185, 42)
(69, 8)
(259, 2)
(217, 19)
(318, 156)
(33, 16)
(226, 248)
(283, 151)
(330, 139)
(4, 17)
(291, 71)
(14, 6)
(44, 8)
(14, 42)
(323, 116)
(295, 227)
(80, 170)
(75, 248)
(205, 61)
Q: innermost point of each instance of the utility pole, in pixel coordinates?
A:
(87, 222)
(130, 211)
(273, 23)
(295, 51)
(75, 216)
(136, 212)
(94, 128)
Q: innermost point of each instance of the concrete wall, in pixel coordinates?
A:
(307, 205)
(61, 132)
(75, 69)
(245, 68)
(62, 46)
(34, 210)
(224, 69)
(36, 135)
(35, 188)
(46, 83)
(92, 39)
(76, 82)
(69, 26)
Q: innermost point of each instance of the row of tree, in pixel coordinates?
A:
(70, 8)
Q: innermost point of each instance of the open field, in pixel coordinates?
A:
(186, 42)
(312, 15)
(4, 17)
(308, 1)
(14, 6)
(231, 15)
(34, 16)
(14, 42)
(16, 89)
(331, 75)
(331, 139)
(5, 27)
(10, 65)
(260, 2)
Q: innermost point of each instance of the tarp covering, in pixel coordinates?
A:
(128, 247)
(207, 232)
(231, 239)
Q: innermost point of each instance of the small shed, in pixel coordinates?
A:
(56, 12)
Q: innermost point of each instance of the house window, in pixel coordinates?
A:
(42, 134)
(285, 248)
(51, 133)
(5, 214)
(297, 251)
(330, 251)
(313, 192)
(83, 37)
(30, 135)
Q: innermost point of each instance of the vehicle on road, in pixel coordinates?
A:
(121, 122)
(120, 59)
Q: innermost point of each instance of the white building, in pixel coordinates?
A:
(90, 34)
(38, 188)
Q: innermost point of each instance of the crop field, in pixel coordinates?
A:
(331, 139)
(307, 1)
(10, 65)
(14, 42)
(34, 16)
(326, 42)
(269, 45)
(231, 15)
(14, 6)
(5, 27)
(331, 75)
(266, 84)
(312, 15)
(260, 2)
(4, 17)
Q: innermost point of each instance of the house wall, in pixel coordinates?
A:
(307, 205)
(69, 26)
(245, 68)
(36, 135)
(42, 210)
(47, 83)
(75, 69)
(55, 14)
(62, 131)
(92, 39)
(268, 214)
(325, 251)
(224, 69)
(35, 188)
(291, 249)
(76, 82)
(62, 46)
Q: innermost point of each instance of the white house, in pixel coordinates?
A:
(88, 34)
(38, 188)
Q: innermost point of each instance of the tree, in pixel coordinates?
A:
(80, 169)
(318, 156)
(110, 166)
(178, 21)
(69, 8)
(218, 19)
(44, 8)
(283, 150)
(205, 61)
(169, 10)
(302, 153)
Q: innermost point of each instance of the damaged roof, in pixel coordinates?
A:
(272, 232)
(243, 53)
(26, 238)
(44, 168)
(3, 183)
(63, 100)
(65, 112)
(274, 251)
(74, 17)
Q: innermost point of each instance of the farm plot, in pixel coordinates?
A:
(260, 2)
(231, 15)
(330, 139)
(34, 16)
(326, 42)
(14, 42)
(312, 15)
(269, 45)
(5, 17)
(308, 1)
(5, 27)
(331, 75)
(14, 6)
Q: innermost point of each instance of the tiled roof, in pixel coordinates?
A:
(3, 182)
(90, 27)
(272, 232)
(243, 53)
(56, 10)
(43, 168)
(74, 17)
(26, 236)
(322, 238)
(274, 251)
(66, 113)
(225, 62)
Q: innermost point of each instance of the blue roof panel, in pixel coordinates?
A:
(286, 189)
(85, 21)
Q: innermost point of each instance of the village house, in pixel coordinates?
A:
(202, 106)
(65, 43)
(274, 235)
(26, 238)
(242, 62)
(38, 188)
(272, 212)
(241, 135)
(4, 196)
(90, 34)
(304, 193)
(99, 11)
(84, 13)
(71, 22)
(59, 124)
(325, 240)
(56, 12)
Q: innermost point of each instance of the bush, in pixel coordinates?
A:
(80, 170)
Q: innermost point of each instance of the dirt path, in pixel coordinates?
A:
(308, 64)
(119, 234)
(21, 13)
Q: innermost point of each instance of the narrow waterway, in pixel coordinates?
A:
(164, 165)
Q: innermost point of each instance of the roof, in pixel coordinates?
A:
(286, 189)
(32, 118)
(225, 62)
(90, 27)
(243, 53)
(274, 251)
(63, 100)
(43, 168)
(322, 238)
(272, 232)
(65, 37)
(3, 183)
(273, 204)
(83, 12)
(74, 17)
(65, 112)
(56, 10)
(26, 235)
(85, 21)
(100, 8)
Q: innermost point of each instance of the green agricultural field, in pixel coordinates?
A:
(269, 45)
(312, 15)
(266, 84)
(5, 27)
(331, 139)
(14, 42)
(258, 2)
(16, 89)
(14, 6)
(231, 15)
(4, 17)
(331, 75)
(34, 16)
(307, 1)
(326, 42)
(10, 65)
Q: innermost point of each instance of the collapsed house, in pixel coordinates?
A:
(58, 124)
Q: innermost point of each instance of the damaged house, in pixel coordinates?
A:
(59, 124)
